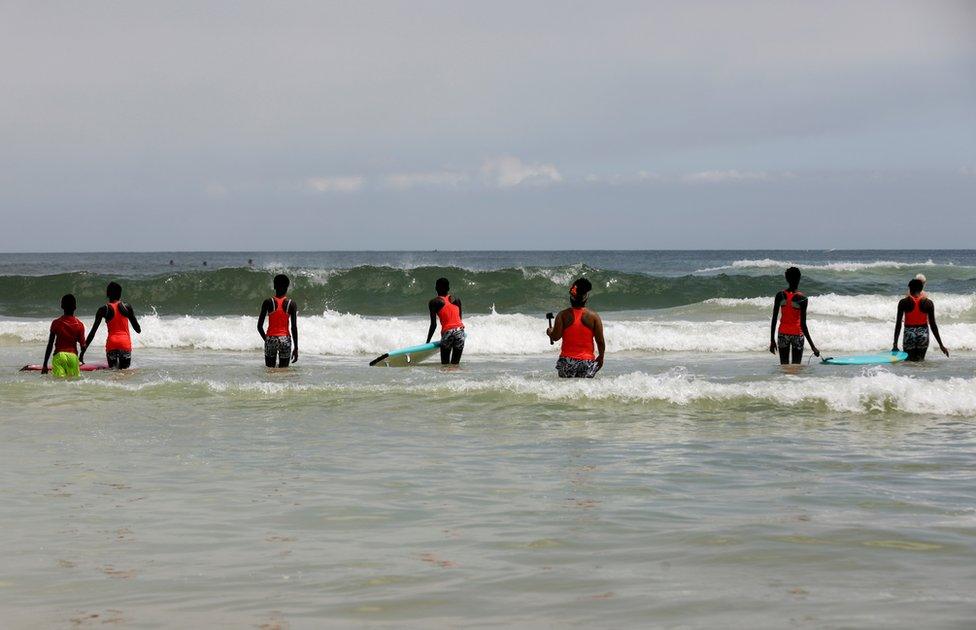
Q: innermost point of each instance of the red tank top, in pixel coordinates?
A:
(450, 315)
(118, 330)
(789, 322)
(916, 316)
(577, 339)
(278, 318)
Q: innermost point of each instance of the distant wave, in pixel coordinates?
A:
(874, 391)
(769, 263)
(877, 307)
(492, 335)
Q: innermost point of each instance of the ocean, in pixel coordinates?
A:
(695, 483)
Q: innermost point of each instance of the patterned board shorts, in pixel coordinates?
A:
(915, 338)
(795, 342)
(453, 339)
(65, 364)
(118, 358)
(576, 368)
(277, 349)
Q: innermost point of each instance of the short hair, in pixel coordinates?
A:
(915, 285)
(579, 291)
(281, 283)
(442, 286)
(68, 303)
(114, 291)
(793, 275)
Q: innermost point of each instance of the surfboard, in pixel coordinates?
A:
(868, 359)
(88, 367)
(406, 356)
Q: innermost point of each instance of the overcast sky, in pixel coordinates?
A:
(486, 125)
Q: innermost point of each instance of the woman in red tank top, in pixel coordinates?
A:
(790, 307)
(578, 328)
(118, 316)
(446, 309)
(281, 338)
(918, 312)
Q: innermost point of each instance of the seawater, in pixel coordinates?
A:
(693, 483)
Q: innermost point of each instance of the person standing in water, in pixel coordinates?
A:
(280, 344)
(117, 316)
(578, 327)
(918, 312)
(793, 322)
(67, 334)
(447, 308)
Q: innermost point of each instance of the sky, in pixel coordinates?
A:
(319, 125)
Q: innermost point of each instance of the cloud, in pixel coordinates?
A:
(617, 179)
(509, 171)
(335, 184)
(403, 181)
(968, 170)
(215, 190)
(722, 177)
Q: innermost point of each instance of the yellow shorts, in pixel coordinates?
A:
(65, 364)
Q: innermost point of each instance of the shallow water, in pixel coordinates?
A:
(678, 489)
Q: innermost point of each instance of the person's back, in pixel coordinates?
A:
(118, 317)
(66, 337)
(281, 337)
(579, 329)
(790, 308)
(918, 314)
(447, 309)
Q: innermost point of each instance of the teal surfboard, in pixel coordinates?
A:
(406, 356)
(868, 359)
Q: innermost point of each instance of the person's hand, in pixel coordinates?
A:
(816, 352)
(81, 357)
(894, 348)
(599, 362)
(944, 350)
(772, 347)
(44, 370)
(549, 331)
(294, 355)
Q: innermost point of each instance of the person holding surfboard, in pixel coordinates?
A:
(280, 343)
(447, 308)
(578, 327)
(918, 312)
(793, 323)
(67, 334)
(117, 316)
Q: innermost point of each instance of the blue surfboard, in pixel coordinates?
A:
(868, 359)
(406, 356)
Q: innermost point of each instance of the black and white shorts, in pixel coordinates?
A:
(453, 339)
(915, 338)
(576, 368)
(120, 358)
(277, 347)
(795, 342)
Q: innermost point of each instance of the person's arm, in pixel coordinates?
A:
(556, 331)
(457, 302)
(131, 315)
(99, 315)
(293, 309)
(47, 352)
(803, 326)
(601, 344)
(264, 313)
(935, 328)
(894, 344)
(772, 324)
(434, 306)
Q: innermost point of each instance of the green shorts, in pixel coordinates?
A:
(65, 364)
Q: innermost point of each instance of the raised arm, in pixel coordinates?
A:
(935, 328)
(803, 326)
(772, 323)
(556, 331)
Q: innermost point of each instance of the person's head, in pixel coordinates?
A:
(579, 292)
(281, 283)
(113, 291)
(915, 286)
(442, 286)
(68, 304)
(921, 278)
(793, 276)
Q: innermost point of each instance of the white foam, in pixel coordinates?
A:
(876, 307)
(495, 334)
(768, 263)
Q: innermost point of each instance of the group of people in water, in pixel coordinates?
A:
(578, 328)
